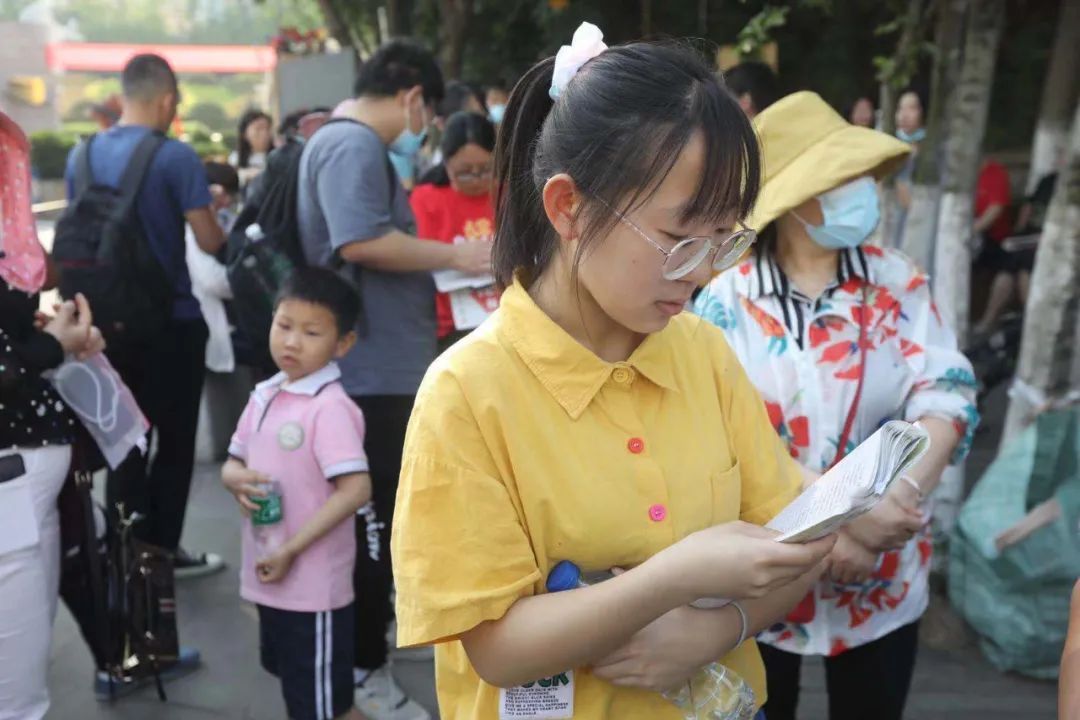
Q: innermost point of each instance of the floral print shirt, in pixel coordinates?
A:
(804, 359)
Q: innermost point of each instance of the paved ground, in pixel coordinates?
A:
(957, 684)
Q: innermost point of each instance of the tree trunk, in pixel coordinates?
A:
(646, 18)
(453, 22)
(1047, 368)
(967, 125)
(920, 226)
(335, 24)
(703, 18)
(399, 18)
(1059, 96)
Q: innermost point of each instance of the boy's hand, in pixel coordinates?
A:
(244, 483)
(274, 568)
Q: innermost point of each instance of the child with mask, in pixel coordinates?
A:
(452, 204)
(839, 336)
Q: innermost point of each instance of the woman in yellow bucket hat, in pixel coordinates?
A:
(839, 336)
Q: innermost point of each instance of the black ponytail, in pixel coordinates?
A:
(617, 129)
(522, 235)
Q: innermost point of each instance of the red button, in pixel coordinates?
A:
(657, 513)
(636, 445)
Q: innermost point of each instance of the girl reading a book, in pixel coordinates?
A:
(840, 336)
(590, 419)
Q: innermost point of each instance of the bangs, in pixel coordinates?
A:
(731, 176)
(731, 172)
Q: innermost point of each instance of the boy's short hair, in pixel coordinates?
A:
(224, 175)
(755, 79)
(400, 65)
(320, 286)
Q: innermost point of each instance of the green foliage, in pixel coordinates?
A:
(758, 31)
(49, 151)
(210, 114)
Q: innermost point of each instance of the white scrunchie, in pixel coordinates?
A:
(588, 42)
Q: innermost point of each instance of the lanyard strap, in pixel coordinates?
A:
(849, 422)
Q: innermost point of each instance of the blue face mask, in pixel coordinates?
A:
(850, 214)
(496, 112)
(408, 143)
(918, 136)
(404, 166)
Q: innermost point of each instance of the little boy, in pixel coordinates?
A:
(301, 430)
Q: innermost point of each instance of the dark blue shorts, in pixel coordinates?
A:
(312, 654)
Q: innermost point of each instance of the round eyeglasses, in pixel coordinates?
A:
(690, 252)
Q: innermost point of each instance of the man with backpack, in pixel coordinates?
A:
(121, 243)
(353, 211)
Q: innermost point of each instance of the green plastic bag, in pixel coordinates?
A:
(1017, 599)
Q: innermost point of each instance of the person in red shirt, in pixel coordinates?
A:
(453, 203)
(992, 199)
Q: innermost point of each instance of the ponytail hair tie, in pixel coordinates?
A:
(588, 42)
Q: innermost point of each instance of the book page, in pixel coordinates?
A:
(854, 485)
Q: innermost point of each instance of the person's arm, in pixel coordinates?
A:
(1069, 677)
(1023, 217)
(735, 560)
(674, 647)
(351, 492)
(356, 193)
(208, 234)
(986, 220)
(399, 252)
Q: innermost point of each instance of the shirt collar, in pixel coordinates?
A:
(569, 371)
(309, 385)
(760, 275)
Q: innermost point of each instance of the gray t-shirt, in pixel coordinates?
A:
(348, 193)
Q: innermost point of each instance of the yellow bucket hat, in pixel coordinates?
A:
(807, 149)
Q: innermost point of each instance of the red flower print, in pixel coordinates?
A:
(838, 647)
(769, 325)
(852, 285)
(804, 612)
(745, 268)
(883, 299)
(800, 431)
(933, 309)
(857, 315)
(821, 329)
(852, 373)
(893, 600)
(926, 548)
(960, 426)
(909, 348)
(838, 351)
(916, 282)
(776, 415)
(890, 563)
(873, 251)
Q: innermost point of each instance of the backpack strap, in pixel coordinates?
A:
(84, 174)
(135, 172)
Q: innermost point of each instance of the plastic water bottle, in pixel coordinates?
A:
(267, 522)
(715, 693)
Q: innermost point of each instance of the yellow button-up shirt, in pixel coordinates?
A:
(525, 449)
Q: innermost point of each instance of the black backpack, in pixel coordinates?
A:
(263, 250)
(102, 251)
(264, 247)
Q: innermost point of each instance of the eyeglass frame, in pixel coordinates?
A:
(471, 176)
(711, 245)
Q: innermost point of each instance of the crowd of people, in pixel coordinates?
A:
(659, 320)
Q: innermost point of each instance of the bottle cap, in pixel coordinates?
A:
(564, 576)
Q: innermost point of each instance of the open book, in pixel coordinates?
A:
(854, 485)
